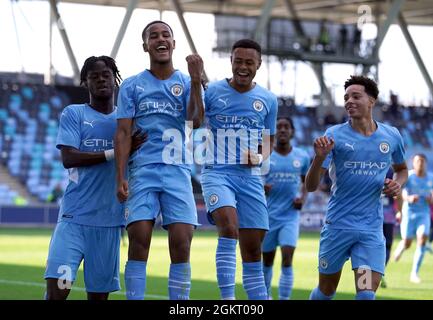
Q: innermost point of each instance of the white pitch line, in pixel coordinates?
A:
(74, 288)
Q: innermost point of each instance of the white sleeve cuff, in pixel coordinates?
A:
(109, 154)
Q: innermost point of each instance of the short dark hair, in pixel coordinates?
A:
(143, 34)
(288, 119)
(247, 43)
(109, 62)
(421, 155)
(369, 85)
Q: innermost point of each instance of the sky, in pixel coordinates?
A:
(92, 31)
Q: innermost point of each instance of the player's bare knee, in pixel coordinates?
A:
(56, 291)
(328, 288)
(286, 262)
(367, 279)
(229, 231)
(97, 296)
(251, 254)
(268, 259)
(138, 250)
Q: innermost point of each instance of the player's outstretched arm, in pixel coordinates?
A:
(322, 146)
(122, 147)
(195, 111)
(74, 158)
(392, 187)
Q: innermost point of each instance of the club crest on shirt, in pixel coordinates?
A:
(384, 147)
(258, 105)
(176, 90)
(323, 263)
(213, 199)
(296, 163)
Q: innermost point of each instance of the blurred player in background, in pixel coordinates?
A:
(358, 154)
(159, 101)
(284, 187)
(415, 220)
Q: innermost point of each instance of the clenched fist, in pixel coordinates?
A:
(195, 66)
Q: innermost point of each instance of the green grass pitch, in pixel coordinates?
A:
(23, 254)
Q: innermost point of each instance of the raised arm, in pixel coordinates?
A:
(195, 111)
(322, 147)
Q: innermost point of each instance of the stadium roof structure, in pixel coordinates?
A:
(415, 12)
(382, 12)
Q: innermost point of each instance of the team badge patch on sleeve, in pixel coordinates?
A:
(213, 199)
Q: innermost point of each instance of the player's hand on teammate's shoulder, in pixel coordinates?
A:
(323, 145)
(122, 191)
(268, 188)
(391, 188)
(137, 139)
(298, 203)
(195, 66)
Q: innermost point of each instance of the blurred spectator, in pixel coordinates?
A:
(330, 119)
(20, 201)
(356, 41)
(390, 208)
(324, 39)
(56, 194)
(342, 42)
(394, 106)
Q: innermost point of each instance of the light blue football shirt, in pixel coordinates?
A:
(422, 186)
(235, 122)
(357, 167)
(159, 108)
(90, 197)
(285, 178)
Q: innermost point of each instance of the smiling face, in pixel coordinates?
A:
(284, 131)
(100, 81)
(245, 63)
(357, 102)
(159, 43)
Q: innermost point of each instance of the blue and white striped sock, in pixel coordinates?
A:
(365, 295)
(267, 272)
(316, 294)
(135, 279)
(286, 283)
(254, 281)
(226, 267)
(417, 258)
(179, 281)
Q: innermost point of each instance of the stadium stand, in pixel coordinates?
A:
(29, 116)
(28, 128)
